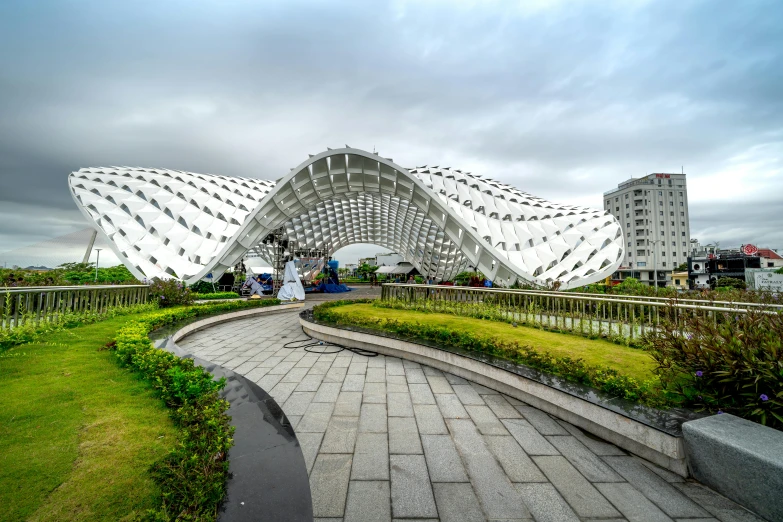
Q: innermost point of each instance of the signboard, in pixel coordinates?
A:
(663, 176)
(769, 281)
(749, 250)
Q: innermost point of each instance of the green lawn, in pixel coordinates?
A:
(77, 433)
(631, 362)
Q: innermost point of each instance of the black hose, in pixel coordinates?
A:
(315, 346)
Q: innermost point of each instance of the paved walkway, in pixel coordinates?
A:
(388, 439)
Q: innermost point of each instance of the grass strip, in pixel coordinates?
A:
(619, 370)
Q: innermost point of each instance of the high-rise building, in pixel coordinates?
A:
(653, 213)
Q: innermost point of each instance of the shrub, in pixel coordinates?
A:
(731, 282)
(217, 295)
(603, 378)
(170, 292)
(733, 366)
(202, 287)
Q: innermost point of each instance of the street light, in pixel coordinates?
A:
(97, 262)
(655, 261)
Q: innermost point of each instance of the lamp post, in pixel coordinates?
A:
(97, 262)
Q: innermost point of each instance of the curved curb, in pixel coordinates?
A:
(268, 478)
(664, 449)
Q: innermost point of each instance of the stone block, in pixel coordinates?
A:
(741, 459)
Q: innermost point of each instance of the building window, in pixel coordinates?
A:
(617, 209)
(671, 213)
(660, 203)
(663, 254)
(676, 281)
(629, 244)
(672, 223)
(682, 214)
(680, 194)
(660, 193)
(671, 193)
(661, 223)
(627, 215)
(682, 223)
(626, 196)
(664, 264)
(684, 254)
(661, 212)
(664, 234)
(674, 233)
(627, 205)
(671, 203)
(674, 243)
(683, 234)
(682, 204)
(629, 234)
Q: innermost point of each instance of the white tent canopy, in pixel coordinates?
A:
(292, 289)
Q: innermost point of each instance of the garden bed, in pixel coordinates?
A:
(86, 434)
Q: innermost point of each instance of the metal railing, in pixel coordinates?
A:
(593, 314)
(25, 305)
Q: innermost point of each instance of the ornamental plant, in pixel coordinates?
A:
(170, 292)
(734, 365)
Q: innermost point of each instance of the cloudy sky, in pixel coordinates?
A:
(561, 99)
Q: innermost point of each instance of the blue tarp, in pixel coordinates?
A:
(332, 288)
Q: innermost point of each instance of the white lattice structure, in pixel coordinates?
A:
(166, 223)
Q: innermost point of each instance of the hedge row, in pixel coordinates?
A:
(217, 295)
(192, 476)
(571, 369)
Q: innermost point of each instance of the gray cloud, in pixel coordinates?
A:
(564, 100)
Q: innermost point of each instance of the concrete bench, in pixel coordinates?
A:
(741, 459)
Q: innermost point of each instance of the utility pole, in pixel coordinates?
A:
(655, 261)
(97, 262)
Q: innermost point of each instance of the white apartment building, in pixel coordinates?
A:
(653, 213)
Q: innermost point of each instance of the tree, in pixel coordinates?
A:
(682, 268)
(366, 269)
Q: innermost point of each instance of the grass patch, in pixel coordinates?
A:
(628, 361)
(78, 434)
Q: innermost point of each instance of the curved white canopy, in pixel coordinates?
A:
(166, 223)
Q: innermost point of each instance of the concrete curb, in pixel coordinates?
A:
(663, 449)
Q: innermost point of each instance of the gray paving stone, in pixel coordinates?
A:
(594, 444)
(310, 382)
(404, 436)
(282, 391)
(270, 362)
(501, 407)
(665, 474)
(526, 435)
(357, 368)
(376, 374)
(485, 420)
(295, 375)
(371, 457)
(717, 505)
(267, 382)
(284, 367)
(443, 461)
(349, 404)
(341, 362)
(588, 463)
(294, 420)
(328, 392)
(515, 462)
(399, 404)
(236, 362)
(336, 374)
(457, 502)
(450, 406)
(247, 367)
(483, 390)
(429, 370)
(673, 502)
(316, 418)
(429, 420)
(467, 395)
(543, 423)
(298, 403)
(376, 362)
(320, 367)
(421, 394)
(309, 442)
(374, 392)
(496, 493)
(329, 484)
(545, 503)
(340, 435)
(256, 374)
(353, 383)
(368, 501)
(415, 376)
(633, 505)
(411, 492)
(583, 498)
(453, 379)
(394, 367)
(372, 418)
(410, 364)
(439, 384)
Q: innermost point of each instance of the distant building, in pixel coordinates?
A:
(390, 259)
(705, 270)
(368, 261)
(679, 280)
(653, 214)
(770, 258)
